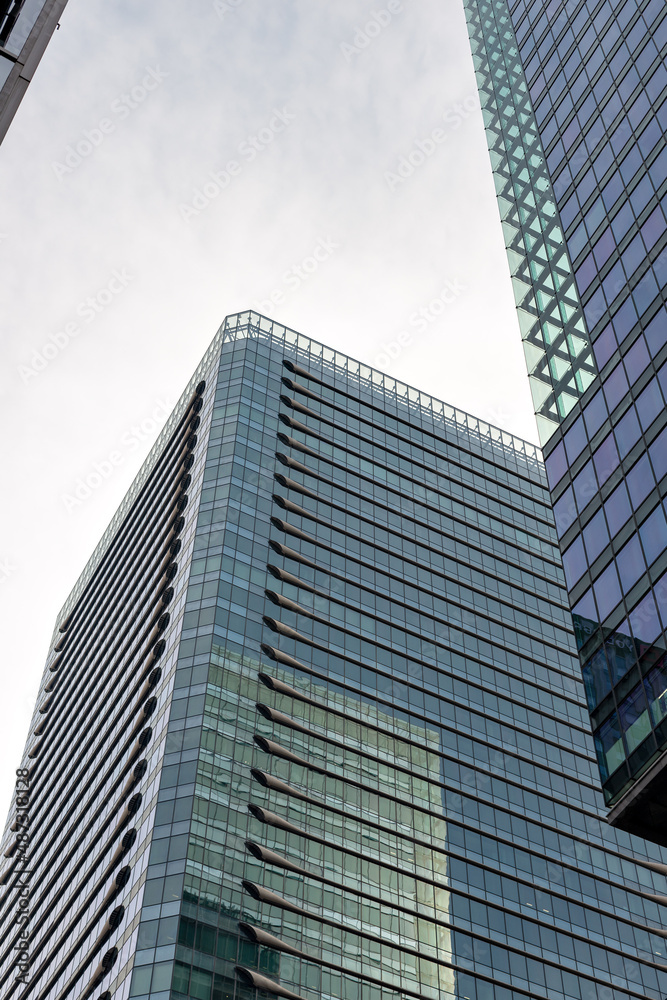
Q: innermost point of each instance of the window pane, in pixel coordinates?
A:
(596, 535)
(574, 562)
(609, 746)
(634, 718)
(606, 459)
(617, 508)
(653, 533)
(565, 512)
(630, 562)
(655, 683)
(607, 591)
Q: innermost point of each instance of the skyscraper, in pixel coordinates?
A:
(312, 724)
(26, 27)
(574, 103)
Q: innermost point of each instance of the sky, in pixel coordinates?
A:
(323, 163)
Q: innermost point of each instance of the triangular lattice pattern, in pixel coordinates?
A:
(555, 339)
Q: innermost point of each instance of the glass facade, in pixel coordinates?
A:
(363, 768)
(25, 29)
(590, 80)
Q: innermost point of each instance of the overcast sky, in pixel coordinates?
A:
(168, 168)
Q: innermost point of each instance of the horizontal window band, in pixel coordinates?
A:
(148, 510)
(281, 687)
(46, 799)
(280, 719)
(270, 857)
(303, 372)
(305, 429)
(81, 834)
(337, 464)
(331, 483)
(174, 449)
(381, 670)
(289, 505)
(337, 599)
(260, 894)
(297, 665)
(269, 782)
(289, 530)
(289, 553)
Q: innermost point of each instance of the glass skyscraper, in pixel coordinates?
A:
(25, 29)
(313, 723)
(574, 102)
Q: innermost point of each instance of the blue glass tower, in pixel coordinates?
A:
(313, 724)
(574, 101)
(25, 29)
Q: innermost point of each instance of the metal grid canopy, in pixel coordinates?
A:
(558, 353)
(510, 451)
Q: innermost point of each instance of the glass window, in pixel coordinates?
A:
(654, 227)
(655, 684)
(624, 319)
(656, 331)
(556, 465)
(644, 620)
(604, 247)
(641, 195)
(609, 746)
(634, 718)
(614, 283)
(630, 562)
(617, 508)
(585, 486)
(565, 512)
(653, 534)
(575, 439)
(595, 413)
(633, 255)
(627, 432)
(604, 346)
(640, 481)
(658, 453)
(596, 536)
(615, 387)
(636, 360)
(620, 652)
(574, 562)
(645, 292)
(585, 272)
(622, 222)
(606, 459)
(649, 404)
(607, 591)
(584, 618)
(596, 679)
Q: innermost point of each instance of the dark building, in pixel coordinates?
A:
(574, 101)
(26, 27)
(313, 722)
